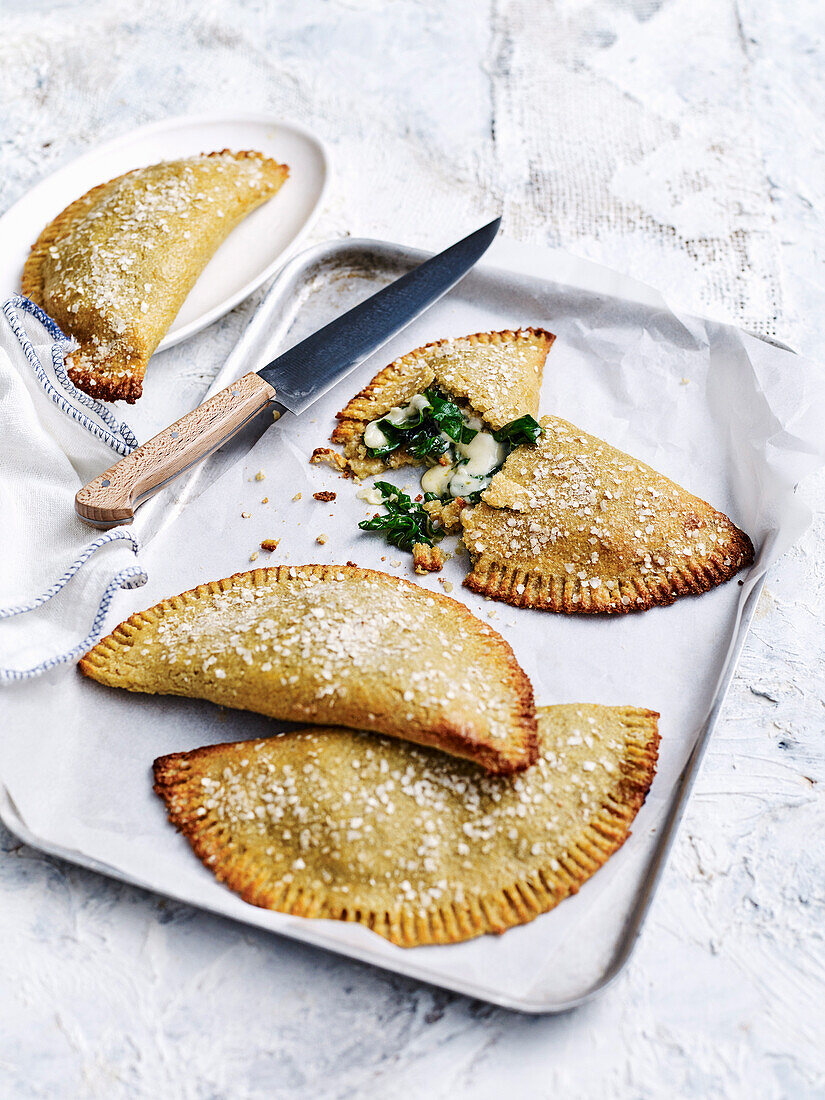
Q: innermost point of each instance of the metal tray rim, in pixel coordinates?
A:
(294, 269)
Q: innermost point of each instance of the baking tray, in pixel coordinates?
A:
(311, 288)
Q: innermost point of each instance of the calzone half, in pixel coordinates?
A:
(575, 525)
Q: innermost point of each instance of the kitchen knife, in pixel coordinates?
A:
(289, 383)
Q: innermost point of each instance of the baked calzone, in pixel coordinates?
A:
(115, 266)
(572, 524)
(416, 846)
(334, 644)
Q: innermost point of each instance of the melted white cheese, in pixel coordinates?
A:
(480, 458)
(483, 454)
(399, 416)
(370, 494)
(375, 439)
(437, 480)
(475, 462)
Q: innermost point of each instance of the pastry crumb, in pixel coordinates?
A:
(325, 495)
(253, 556)
(427, 559)
(448, 587)
(322, 539)
(270, 544)
(245, 515)
(297, 496)
(447, 515)
(324, 454)
(264, 500)
(260, 475)
(276, 414)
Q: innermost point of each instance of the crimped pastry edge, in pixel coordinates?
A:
(126, 387)
(566, 594)
(518, 903)
(97, 663)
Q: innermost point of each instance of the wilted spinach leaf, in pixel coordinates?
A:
(405, 522)
(517, 432)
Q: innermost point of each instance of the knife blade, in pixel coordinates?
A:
(291, 382)
(306, 371)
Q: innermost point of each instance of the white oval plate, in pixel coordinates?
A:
(251, 253)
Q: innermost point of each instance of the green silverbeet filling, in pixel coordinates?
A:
(405, 522)
(518, 432)
(422, 435)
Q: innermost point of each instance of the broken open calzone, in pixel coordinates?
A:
(553, 518)
(115, 266)
(456, 406)
(420, 848)
(333, 644)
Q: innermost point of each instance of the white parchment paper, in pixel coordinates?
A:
(734, 420)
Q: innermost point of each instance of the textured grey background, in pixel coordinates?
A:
(679, 140)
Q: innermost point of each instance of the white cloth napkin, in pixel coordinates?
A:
(57, 579)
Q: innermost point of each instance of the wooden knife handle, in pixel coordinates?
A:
(111, 499)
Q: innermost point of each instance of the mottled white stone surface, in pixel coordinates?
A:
(678, 140)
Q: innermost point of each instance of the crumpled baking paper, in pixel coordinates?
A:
(733, 419)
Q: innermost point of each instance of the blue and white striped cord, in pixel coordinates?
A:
(119, 535)
(120, 437)
(117, 435)
(130, 577)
